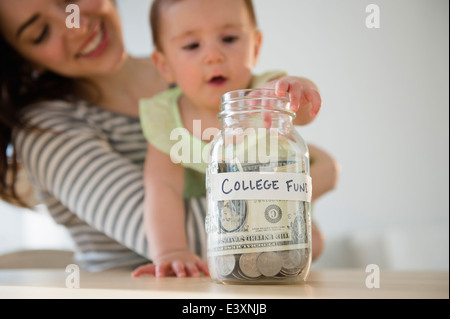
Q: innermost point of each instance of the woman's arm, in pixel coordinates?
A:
(324, 172)
(73, 161)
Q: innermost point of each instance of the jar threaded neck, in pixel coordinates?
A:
(254, 101)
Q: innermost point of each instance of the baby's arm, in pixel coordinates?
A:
(164, 219)
(304, 97)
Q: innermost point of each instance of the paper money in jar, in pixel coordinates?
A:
(258, 240)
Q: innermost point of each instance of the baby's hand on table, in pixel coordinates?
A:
(179, 263)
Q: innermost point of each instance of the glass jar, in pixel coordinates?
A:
(259, 193)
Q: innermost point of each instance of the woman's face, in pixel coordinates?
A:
(40, 30)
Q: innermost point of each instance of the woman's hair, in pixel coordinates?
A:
(21, 86)
(155, 16)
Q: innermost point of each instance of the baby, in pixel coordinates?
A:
(206, 48)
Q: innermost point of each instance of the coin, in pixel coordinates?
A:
(290, 259)
(269, 263)
(247, 264)
(225, 265)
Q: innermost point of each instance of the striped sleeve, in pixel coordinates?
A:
(74, 162)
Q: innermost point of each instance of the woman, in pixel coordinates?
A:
(69, 106)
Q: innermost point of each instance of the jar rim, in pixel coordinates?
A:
(231, 102)
(258, 93)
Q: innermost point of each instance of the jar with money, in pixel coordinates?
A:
(259, 192)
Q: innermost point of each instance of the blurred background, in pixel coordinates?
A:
(385, 119)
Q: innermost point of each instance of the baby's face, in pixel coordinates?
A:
(209, 48)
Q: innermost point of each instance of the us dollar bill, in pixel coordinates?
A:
(257, 225)
(272, 166)
(261, 238)
(267, 225)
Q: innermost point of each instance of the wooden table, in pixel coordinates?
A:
(321, 284)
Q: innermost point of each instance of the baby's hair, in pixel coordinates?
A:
(156, 10)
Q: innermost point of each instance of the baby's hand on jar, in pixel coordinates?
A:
(301, 94)
(305, 99)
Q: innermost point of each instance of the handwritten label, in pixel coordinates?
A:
(261, 185)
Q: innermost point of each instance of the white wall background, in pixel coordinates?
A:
(385, 119)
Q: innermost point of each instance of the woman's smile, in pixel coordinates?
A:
(95, 45)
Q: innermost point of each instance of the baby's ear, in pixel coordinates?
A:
(160, 61)
(258, 42)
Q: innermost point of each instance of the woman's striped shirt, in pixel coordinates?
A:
(86, 165)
